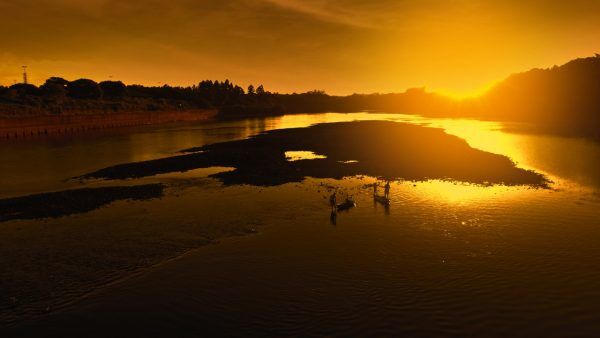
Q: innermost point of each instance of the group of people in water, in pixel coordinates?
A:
(386, 189)
(333, 197)
(349, 202)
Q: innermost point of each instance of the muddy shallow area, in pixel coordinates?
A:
(70, 202)
(389, 150)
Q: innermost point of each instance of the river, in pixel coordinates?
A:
(445, 259)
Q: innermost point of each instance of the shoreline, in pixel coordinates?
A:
(45, 125)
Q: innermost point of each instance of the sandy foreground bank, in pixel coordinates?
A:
(27, 127)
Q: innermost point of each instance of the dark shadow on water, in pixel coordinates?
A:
(383, 202)
(381, 149)
(69, 202)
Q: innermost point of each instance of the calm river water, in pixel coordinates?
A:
(445, 259)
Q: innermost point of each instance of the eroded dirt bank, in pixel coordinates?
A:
(38, 126)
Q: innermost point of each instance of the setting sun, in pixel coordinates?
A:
(456, 48)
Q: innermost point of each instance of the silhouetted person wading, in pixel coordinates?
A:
(333, 201)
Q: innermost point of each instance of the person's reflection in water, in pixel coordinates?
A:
(333, 218)
(375, 186)
(387, 189)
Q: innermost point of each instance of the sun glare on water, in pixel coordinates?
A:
(459, 193)
(483, 135)
(302, 155)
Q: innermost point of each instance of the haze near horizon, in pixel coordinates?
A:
(458, 48)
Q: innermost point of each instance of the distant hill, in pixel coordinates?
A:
(562, 98)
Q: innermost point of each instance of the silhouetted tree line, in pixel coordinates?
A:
(565, 98)
(412, 101)
(210, 93)
(231, 100)
(58, 92)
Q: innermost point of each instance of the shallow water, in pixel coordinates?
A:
(444, 259)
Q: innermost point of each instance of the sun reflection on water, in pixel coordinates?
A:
(302, 155)
(459, 193)
(534, 152)
(484, 135)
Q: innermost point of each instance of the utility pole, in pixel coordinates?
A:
(24, 74)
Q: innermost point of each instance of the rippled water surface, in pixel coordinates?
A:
(444, 258)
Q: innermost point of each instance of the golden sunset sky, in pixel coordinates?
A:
(456, 47)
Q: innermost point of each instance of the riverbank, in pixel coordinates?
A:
(45, 125)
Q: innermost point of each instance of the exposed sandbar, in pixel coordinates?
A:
(384, 149)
